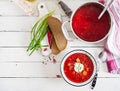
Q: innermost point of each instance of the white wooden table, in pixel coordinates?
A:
(20, 72)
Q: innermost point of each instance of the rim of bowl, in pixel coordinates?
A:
(111, 23)
(94, 70)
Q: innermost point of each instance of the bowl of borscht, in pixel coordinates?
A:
(78, 67)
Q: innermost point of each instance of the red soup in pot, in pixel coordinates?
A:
(78, 67)
(87, 26)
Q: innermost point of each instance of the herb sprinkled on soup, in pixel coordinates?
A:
(78, 67)
(86, 24)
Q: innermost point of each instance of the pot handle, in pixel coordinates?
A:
(65, 32)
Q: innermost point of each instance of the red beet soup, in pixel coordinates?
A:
(78, 67)
(86, 25)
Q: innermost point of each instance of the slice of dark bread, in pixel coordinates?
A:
(54, 47)
(55, 27)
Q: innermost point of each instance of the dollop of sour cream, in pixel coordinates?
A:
(78, 67)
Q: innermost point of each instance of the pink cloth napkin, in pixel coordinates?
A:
(112, 45)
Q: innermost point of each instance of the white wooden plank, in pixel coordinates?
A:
(8, 7)
(40, 69)
(23, 39)
(29, 69)
(51, 84)
(93, 51)
(20, 54)
(14, 39)
(17, 23)
(10, 24)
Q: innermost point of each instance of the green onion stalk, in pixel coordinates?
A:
(38, 33)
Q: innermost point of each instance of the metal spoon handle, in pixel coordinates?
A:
(94, 81)
(66, 9)
(106, 7)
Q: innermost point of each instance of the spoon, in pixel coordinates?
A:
(108, 4)
(101, 58)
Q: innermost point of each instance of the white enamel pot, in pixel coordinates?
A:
(65, 32)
